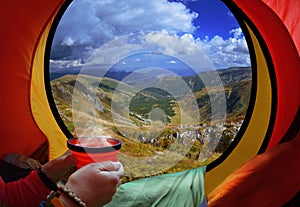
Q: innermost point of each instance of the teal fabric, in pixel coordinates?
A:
(184, 189)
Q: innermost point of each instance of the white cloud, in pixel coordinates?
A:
(170, 44)
(158, 25)
(205, 54)
(226, 53)
(68, 41)
(62, 64)
(223, 53)
(237, 32)
(175, 51)
(94, 22)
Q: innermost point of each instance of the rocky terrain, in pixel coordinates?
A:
(149, 121)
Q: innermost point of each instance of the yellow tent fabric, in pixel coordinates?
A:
(256, 130)
(40, 106)
(21, 25)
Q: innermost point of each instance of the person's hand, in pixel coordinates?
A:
(22, 161)
(60, 168)
(96, 183)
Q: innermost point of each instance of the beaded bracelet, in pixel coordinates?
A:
(72, 195)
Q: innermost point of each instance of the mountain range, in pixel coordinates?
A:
(153, 90)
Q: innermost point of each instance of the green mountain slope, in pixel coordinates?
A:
(128, 113)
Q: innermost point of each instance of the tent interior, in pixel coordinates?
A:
(262, 169)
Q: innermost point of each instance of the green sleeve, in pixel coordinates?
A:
(184, 189)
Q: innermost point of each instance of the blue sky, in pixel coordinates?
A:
(183, 29)
(214, 18)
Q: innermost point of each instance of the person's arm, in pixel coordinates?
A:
(35, 188)
(26, 192)
(21, 161)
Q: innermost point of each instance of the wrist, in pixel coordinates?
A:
(59, 199)
(69, 198)
(48, 171)
(46, 180)
(66, 200)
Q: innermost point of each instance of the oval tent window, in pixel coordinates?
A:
(171, 79)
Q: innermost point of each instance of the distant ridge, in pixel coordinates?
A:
(236, 82)
(120, 75)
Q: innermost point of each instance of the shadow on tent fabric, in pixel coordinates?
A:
(294, 202)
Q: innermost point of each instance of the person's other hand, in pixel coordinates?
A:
(60, 168)
(22, 161)
(96, 183)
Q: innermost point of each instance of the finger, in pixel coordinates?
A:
(23, 165)
(36, 164)
(121, 170)
(27, 164)
(111, 176)
(120, 182)
(110, 166)
(32, 163)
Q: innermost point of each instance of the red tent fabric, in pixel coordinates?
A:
(278, 23)
(269, 179)
(23, 23)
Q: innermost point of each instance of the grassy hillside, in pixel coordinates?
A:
(111, 107)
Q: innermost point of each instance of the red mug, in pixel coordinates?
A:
(94, 149)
